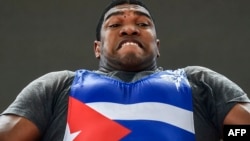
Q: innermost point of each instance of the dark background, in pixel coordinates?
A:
(37, 37)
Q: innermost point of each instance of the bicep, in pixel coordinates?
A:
(239, 114)
(13, 128)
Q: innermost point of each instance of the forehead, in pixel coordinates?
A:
(121, 9)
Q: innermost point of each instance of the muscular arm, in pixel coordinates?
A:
(16, 128)
(239, 114)
(38, 101)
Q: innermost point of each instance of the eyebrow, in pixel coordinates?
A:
(121, 13)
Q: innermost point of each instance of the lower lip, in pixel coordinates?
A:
(136, 46)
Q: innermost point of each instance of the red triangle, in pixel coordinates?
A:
(93, 125)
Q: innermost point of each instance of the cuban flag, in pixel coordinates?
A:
(157, 107)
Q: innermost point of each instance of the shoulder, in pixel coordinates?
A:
(206, 75)
(194, 70)
(58, 74)
(55, 77)
(203, 78)
(49, 83)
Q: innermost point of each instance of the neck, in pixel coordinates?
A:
(107, 70)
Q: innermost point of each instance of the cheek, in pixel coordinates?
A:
(109, 42)
(149, 35)
(108, 38)
(108, 33)
(107, 49)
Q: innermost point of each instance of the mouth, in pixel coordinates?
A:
(130, 43)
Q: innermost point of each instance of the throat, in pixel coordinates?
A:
(128, 76)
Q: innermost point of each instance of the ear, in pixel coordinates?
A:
(158, 47)
(97, 49)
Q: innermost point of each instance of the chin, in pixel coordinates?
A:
(131, 65)
(133, 62)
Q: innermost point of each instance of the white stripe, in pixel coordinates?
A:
(147, 111)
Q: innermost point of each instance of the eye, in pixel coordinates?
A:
(114, 25)
(143, 24)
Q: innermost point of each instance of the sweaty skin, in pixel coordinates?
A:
(16, 128)
(128, 40)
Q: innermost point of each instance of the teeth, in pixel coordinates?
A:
(130, 43)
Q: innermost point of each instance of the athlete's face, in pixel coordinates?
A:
(128, 40)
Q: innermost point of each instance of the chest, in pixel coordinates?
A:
(153, 108)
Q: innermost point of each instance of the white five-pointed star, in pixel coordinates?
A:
(173, 79)
(176, 78)
(70, 136)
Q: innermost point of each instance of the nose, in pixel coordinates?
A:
(129, 30)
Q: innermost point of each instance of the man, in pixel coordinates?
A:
(128, 97)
